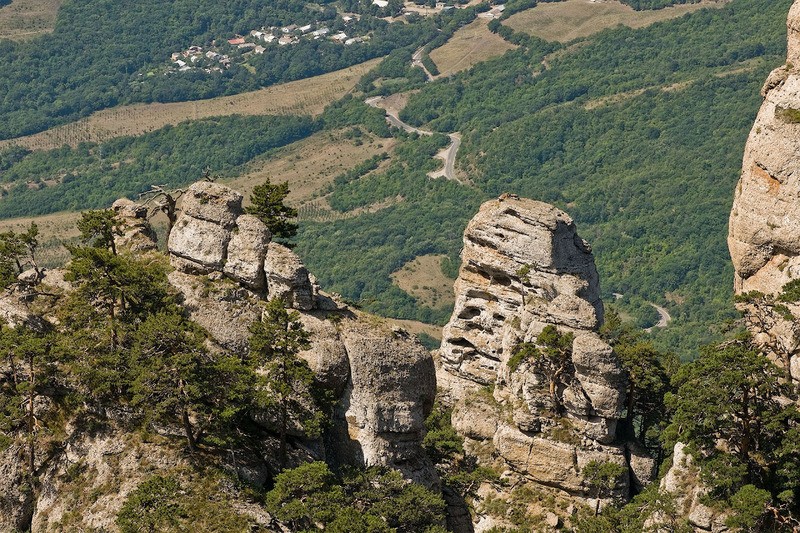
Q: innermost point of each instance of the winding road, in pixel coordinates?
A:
(664, 317)
(448, 155)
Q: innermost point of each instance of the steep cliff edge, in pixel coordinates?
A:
(226, 268)
(764, 229)
(524, 272)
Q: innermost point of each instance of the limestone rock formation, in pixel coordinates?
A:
(247, 250)
(287, 277)
(764, 229)
(226, 268)
(524, 268)
(681, 482)
(212, 235)
(137, 236)
(562, 286)
(390, 392)
(764, 234)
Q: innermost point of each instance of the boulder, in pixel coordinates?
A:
(391, 392)
(247, 250)
(287, 278)
(600, 374)
(201, 244)
(138, 235)
(212, 202)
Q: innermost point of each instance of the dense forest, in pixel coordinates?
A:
(105, 54)
(93, 175)
(638, 136)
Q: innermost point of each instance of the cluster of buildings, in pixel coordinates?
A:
(213, 60)
(194, 57)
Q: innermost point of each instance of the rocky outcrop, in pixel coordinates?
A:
(525, 268)
(212, 235)
(227, 267)
(137, 235)
(561, 287)
(391, 390)
(764, 228)
(764, 234)
(681, 481)
(288, 278)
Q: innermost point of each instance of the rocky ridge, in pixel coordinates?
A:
(764, 228)
(226, 267)
(524, 267)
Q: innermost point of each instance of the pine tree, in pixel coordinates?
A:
(267, 203)
(287, 390)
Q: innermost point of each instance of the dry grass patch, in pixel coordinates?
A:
(26, 19)
(574, 19)
(303, 97)
(311, 164)
(470, 45)
(423, 279)
(54, 230)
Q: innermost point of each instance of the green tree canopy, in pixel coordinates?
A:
(267, 203)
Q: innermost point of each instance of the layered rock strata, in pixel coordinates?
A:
(524, 268)
(226, 266)
(764, 228)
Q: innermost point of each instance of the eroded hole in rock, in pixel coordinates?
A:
(463, 343)
(469, 313)
(505, 281)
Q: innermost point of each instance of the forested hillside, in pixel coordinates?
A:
(637, 134)
(102, 54)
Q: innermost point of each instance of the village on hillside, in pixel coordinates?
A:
(222, 53)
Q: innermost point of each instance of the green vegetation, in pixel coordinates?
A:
(311, 498)
(93, 175)
(731, 393)
(550, 355)
(639, 5)
(180, 503)
(612, 163)
(602, 477)
(266, 203)
(287, 391)
(99, 57)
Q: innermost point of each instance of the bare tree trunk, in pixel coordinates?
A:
(31, 419)
(187, 428)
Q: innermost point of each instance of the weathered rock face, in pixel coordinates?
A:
(137, 236)
(226, 268)
(681, 482)
(247, 250)
(764, 234)
(287, 277)
(764, 229)
(390, 392)
(213, 236)
(562, 287)
(524, 268)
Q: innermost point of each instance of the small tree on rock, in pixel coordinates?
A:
(287, 390)
(267, 203)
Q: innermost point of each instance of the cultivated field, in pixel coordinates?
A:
(423, 279)
(308, 165)
(469, 45)
(574, 19)
(26, 19)
(309, 96)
